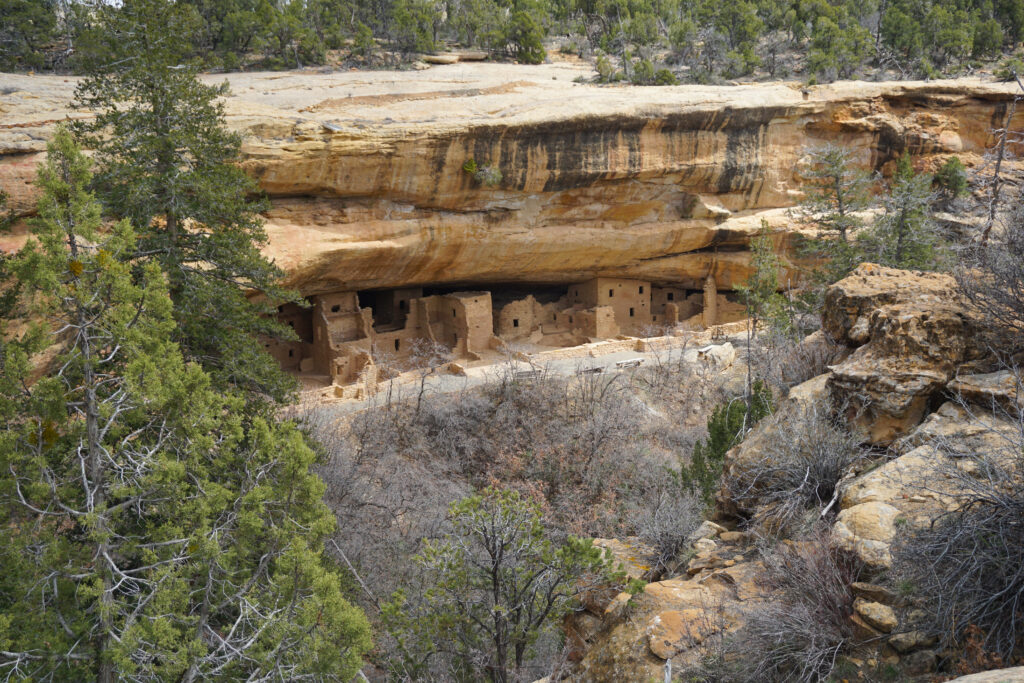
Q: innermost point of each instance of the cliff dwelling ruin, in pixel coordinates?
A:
(358, 337)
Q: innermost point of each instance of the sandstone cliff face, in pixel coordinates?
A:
(660, 184)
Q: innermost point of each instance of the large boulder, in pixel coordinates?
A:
(850, 302)
(1002, 390)
(676, 619)
(1012, 675)
(912, 333)
(923, 481)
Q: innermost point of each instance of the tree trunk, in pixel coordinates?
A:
(95, 492)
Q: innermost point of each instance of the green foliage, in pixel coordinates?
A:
(838, 46)
(1010, 69)
(951, 180)
(905, 236)
(835, 192)
(665, 77)
(760, 294)
(605, 69)
(152, 529)
(727, 426)
(166, 162)
(412, 25)
(988, 39)
(486, 174)
(27, 28)
(363, 44)
(715, 39)
(904, 167)
(493, 586)
(643, 72)
(525, 39)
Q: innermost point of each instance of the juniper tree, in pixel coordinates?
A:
(905, 236)
(760, 293)
(951, 181)
(727, 426)
(167, 163)
(835, 194)
(150, 528)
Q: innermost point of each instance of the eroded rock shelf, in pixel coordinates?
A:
(658, 187)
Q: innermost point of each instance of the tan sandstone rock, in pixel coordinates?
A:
(850, 303)
(878, 616)
(868, 529)
(671, 619)
(915, 337)
(1011, 675)
(364, 169)
(918, 486)
(673, 631)
(1000, 390)
(629, 555)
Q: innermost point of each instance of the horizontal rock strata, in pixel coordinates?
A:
(365, 170)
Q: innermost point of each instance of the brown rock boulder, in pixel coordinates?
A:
(1011, 675)
(912, 332)
(1001, 390)
(878, 616)
(674, 619)
(867, 530)
(850, 302)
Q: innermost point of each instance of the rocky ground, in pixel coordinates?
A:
(913, 365)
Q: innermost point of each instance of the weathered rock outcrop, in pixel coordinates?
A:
(911, 332)
(674, 618)
(901, 327)
(662, 184)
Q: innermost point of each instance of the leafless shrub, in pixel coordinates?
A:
(991, 274)
(784, 362)
(385, 498)
(426, 358)
(800, 634)
(796, 479)
(666, 519)
(969, 562)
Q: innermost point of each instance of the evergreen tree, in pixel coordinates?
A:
(951, 181)
(905, 236)
(839, 45)
(150, 529)
(834, 195)
(760, 294)
(27, 27)
(727, 426)
(166, 163)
